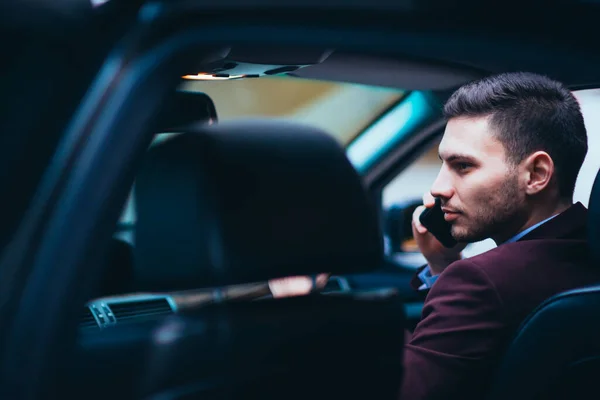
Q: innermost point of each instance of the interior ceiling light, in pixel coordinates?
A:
(209, 77)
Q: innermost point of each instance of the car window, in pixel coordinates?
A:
(385, 134)
(419, 176)
(343, 110)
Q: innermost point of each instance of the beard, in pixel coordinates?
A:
(497, 211)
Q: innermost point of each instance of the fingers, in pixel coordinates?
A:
(415, 221)
(428, 200)
(290, 286)
(321, 280)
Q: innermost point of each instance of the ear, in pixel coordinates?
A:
(539, 169)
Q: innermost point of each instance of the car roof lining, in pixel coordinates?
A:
(402, 73)
(430, 63)
(439, 53)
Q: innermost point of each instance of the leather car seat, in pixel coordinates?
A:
(245, 202)
(185, 108)
(556, 352)
(118, 277)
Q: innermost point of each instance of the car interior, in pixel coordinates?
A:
(168, 221)
(183, 194)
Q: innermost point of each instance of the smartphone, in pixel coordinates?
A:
(433, 220)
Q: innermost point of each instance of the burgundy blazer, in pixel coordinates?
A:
(476, 305)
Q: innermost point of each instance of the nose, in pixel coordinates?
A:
(442, 186)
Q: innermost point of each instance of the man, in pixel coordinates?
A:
(511, 153)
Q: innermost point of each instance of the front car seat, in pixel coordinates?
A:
(185, 108)
(249, 201)
(556, 353)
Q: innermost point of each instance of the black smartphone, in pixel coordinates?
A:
(433, 220)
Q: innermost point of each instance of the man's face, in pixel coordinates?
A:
(478, 187)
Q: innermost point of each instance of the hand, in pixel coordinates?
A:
(296, 285)
(437, 255)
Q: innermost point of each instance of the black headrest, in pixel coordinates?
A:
(594, 219)
(118, 277)
(248, 201)
(185, 108)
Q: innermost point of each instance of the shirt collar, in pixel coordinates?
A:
(526, 231)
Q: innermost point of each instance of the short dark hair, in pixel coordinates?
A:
(528, 113)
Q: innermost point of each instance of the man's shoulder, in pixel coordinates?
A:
(556, 250)
(536, 255)
(523, 274)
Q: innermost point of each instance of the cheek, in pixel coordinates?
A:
(479, 192)
(477, 186)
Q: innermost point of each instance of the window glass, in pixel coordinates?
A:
(341, 109)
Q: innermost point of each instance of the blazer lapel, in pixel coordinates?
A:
(570, 224)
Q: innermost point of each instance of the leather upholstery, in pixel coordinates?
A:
(312, 347)
(186, 108)
(247, 201)
(556, 353)
(118, 278)
(284, 200)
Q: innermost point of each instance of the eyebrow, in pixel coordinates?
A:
(454, 157)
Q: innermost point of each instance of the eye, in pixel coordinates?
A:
(462, 166)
